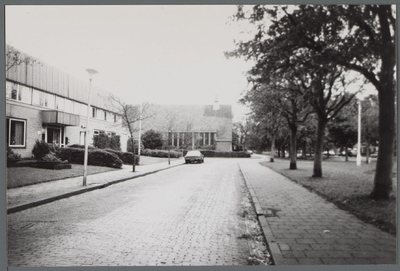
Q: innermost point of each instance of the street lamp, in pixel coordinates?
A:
(358, 162)
(91, 74)
(192, 139)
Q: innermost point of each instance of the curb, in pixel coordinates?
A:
(80, 191)
(276, 254)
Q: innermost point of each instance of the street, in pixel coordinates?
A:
(188, 215)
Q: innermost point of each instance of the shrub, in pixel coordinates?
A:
(161, 153)
(41, 148)
(103, 141)
(12, 157)
(126, 157)
(152, 139)
(96, 157)
(211, 153)
(115, 142)
(80, 146)
(129, 146)
(52, 157)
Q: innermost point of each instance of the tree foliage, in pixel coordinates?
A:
(326, 42)
(152, 139)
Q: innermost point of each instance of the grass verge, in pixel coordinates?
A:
(346, 185)
(22, 176)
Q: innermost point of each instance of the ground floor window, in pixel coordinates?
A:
(16, 131)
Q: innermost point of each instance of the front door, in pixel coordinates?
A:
(54, 136)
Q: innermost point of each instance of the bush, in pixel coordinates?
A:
(126, 157)
(129, 146)
(52, 157)
(80, 146)
(160, 153)
(232, 154)
(152, 139)
(41, 148)
(103, 141)
(96, 157)
(12, 157)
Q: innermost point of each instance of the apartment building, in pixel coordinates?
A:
(45, 103)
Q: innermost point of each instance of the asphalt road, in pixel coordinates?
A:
(188, 215)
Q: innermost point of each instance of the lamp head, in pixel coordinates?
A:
(91, 73)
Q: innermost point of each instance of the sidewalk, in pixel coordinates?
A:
(22, 198)
(303, 228)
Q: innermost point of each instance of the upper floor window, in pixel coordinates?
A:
(38, 97)
(18, 92)
(16, 132)
(60, 103)
(94, 112)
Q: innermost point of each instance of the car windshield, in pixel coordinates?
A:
(193, 153)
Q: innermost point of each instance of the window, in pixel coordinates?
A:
(38, 97)
(9, 90)
(16, 132)
(111, 133)
(99, 132)
(60, 103)
(94, 112)
(115, 118)
(49, 100)
(105, 115)
(69, 106)
(25, 94)
(18, 92)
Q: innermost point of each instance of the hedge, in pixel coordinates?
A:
(96, 157)
(233, 154)
(160, 153)
(126, 157)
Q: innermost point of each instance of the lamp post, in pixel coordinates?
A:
(358, 162)
(140, 126)
(91, 74)
(192, 139)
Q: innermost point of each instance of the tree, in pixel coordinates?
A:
(16, 58)
(323, 87)
(130, 115)
(356, 37)
(152, 139)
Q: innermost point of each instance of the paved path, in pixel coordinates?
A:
(303, 228)
(187, 215)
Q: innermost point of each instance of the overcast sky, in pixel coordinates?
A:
(157, 54)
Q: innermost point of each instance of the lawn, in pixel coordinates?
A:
(346, 185)
(21, 176)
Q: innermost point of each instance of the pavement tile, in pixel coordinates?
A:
(316, 231)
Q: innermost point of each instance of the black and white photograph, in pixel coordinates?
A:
(200, 135)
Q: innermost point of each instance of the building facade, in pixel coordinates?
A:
(44, 103)
(193, 126)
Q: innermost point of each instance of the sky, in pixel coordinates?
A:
(156, 54)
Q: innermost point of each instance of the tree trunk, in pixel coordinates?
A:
(367, 150)
(384, 165)
(272, 158)
(293, 149)
(134, 157)
(305, 150)
(319, 145)
(347, 154)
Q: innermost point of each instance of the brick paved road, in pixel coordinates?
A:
(187, 215)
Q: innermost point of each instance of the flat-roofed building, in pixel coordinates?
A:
(45, 103)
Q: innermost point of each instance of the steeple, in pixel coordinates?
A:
(216, 104)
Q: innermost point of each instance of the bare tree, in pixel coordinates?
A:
(15, 58)
(130, 115)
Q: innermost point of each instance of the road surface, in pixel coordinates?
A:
(188, 215)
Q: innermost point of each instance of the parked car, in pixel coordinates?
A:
(249, 151)
(194, 156)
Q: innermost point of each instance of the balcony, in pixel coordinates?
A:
(59, 118)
